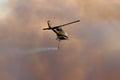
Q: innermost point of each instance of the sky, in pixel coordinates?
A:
(29, 53)
(4, 9)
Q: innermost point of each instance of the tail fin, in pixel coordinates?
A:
(49, 25)
(48, 22)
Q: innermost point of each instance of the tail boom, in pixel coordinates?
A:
(46, 28)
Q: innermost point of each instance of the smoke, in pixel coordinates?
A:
(28, 51)
(100, 10)
(91, 53)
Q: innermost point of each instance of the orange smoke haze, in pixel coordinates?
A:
(92, 52)
(100, 9)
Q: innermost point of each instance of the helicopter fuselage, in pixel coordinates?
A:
(61, 35)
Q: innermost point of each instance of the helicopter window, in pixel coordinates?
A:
(58, 29)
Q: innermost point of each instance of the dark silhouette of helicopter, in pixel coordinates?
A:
(61, 35)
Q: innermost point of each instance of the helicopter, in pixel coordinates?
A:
(60, 33)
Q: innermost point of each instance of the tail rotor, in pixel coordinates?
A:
(49, 26)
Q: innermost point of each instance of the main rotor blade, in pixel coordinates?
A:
(67, 23)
